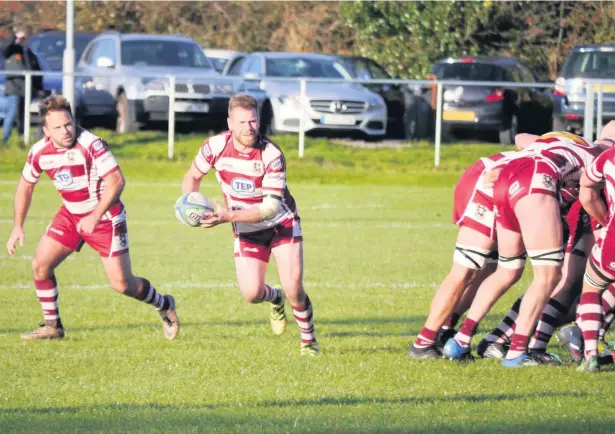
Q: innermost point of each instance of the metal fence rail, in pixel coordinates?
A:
(590, 96)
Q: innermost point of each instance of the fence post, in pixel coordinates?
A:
(438, 137)
(27, 104)
(588, 120)
(171, 116)
(302, 102)
(599, 112)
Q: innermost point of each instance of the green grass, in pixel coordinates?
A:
(373, 255)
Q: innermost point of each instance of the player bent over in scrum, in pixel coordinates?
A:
(474, 214)
(90, 182)
(252, 173)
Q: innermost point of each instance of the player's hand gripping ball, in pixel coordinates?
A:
(190, 207)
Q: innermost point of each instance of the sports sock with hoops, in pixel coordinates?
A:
(426, 338)
(47, 293)
(606, 325)
(518, 345)
(153, 297)
(590, 309)
(466, 332)
(271, 295)
(503, 332)
(305, 321)
(552, 315)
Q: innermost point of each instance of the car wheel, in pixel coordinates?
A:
(559, 124)
(125, 122)
(507, 136)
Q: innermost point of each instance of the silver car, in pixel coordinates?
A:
(118, 87)
(334, 106)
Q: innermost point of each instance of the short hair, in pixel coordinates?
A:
(242, 100)
(53, 103)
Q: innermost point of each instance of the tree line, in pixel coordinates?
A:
(405, 37)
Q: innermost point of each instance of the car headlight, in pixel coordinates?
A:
(375, 102)
(290, 101)
(224, 88)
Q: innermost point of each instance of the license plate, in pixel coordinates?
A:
(337, 120)
(458, 115)
(191, 107)
(605, 88)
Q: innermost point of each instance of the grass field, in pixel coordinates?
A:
(375, 249)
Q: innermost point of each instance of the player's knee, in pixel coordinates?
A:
(253, 294)
(41, 270)
(513, 263)
(121, 286)
(473, 258)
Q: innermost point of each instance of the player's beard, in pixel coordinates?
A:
(244, 140)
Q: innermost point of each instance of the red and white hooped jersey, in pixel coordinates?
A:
(603, 169)
(568, 154)
(246, 178)
(77, 172)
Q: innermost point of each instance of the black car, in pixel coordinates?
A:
(50, 46)
(505, 110)
(362, 68)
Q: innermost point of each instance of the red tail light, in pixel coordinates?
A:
(498, 95)
(467, 60)
(572, 116)
(560, 86)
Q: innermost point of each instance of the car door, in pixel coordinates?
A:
(98, 63)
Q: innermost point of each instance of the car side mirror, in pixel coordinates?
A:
(105, 62)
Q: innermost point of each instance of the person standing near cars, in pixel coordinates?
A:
(18, 58)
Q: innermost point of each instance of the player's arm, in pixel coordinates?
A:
(23, 199)
(114, 185)
(254, 214)
(589, 195)
(192, 179)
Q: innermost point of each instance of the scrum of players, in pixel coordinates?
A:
(552, 200)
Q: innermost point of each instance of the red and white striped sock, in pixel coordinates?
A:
(305, 321)
(504, 331)
(552, 315)
(426, 338)
(518, 346)
(47, 293)
(590, 309)
(466, 332)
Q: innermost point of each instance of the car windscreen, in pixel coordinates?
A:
(217, 62)
(51, 48)
(163, 53)
(305, 67)
(591, 64)
(468, 71)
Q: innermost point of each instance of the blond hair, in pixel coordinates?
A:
(242, 100)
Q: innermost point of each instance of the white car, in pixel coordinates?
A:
(218, 58)
(333, 106)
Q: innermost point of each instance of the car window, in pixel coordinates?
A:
(361, 70)
(468, 71)
(526, 75)
(51, 47)
(591, 64)
(217, 62)
(253, 66)
(88, 55)
(144, 52)
(235, 67)
(104, 48)
(305, 67)
(377, 71)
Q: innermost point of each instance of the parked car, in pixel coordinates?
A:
(117, 86)
(219, 58)
(505, 110)
(50, 45)
(335, 106)
(363, 68)
(583, 62)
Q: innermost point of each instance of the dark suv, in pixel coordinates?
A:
(505, 110)
(584, 62)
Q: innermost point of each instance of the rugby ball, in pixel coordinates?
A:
(190, 207)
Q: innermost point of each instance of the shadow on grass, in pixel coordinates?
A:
(261, 417)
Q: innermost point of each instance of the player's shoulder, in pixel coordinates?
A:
(39, 146)
(216, 144)
(89, 141)
(270, 151)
